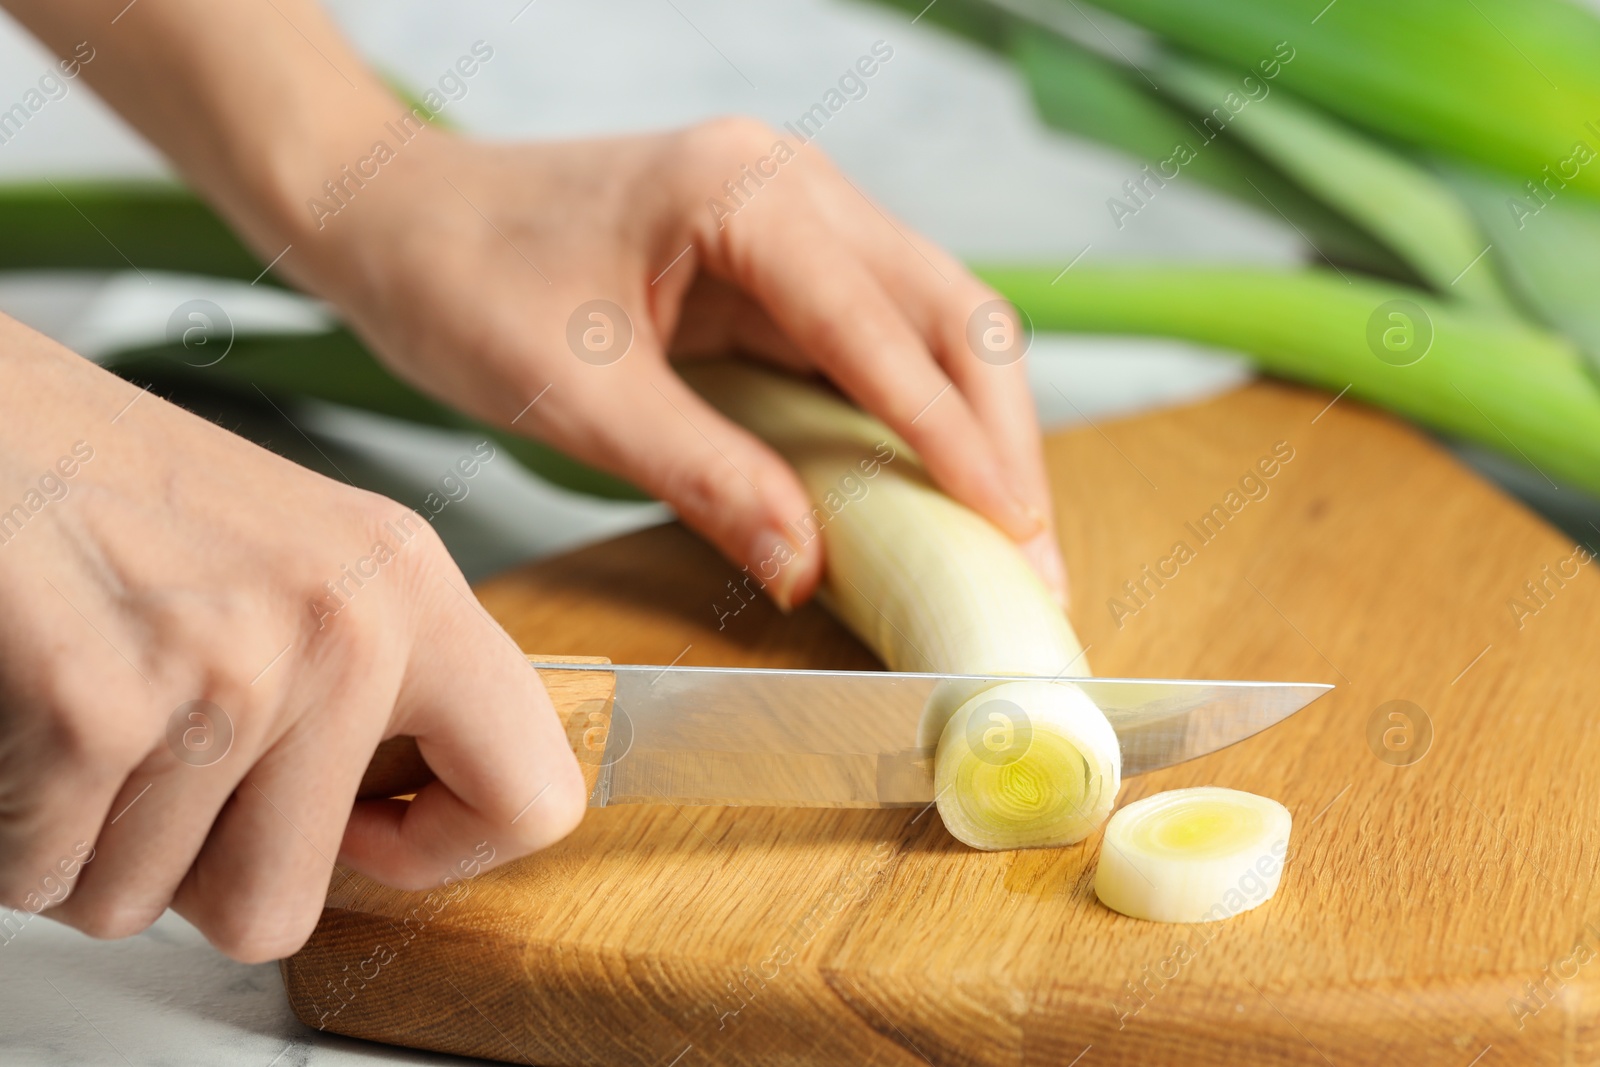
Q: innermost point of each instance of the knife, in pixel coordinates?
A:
(787, 738)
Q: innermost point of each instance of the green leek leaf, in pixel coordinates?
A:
(337, 368)
(1479, 376)
(1512, 84)
(1080, 92)
(117, 225)
(1549, 248)
(1408, 208)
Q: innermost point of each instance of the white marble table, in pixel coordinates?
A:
(944, 137)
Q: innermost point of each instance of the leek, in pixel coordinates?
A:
(1193, 855)
(1508, 83)
(336, 367)
(1485, 377)
(1409, 209)
(118, 225)
(1081, 92)
(1548, 243)
(930, 586)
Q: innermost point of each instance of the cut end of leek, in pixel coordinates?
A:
(1193, 855)
(1026, 764)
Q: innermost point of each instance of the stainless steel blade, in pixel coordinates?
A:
(736, 736)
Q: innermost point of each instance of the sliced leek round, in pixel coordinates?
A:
(1193, 855)
(1026, 764)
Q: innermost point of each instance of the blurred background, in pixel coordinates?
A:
(959, 134)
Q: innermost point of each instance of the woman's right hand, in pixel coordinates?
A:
(149, 560)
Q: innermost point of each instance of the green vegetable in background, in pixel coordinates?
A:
(1511, 84)
(1443, 144)
(1549, 249)
(1406, 207)
(337, 368)
(117, 225)
(1083, 93)
(1476, 375)
(1399, 139)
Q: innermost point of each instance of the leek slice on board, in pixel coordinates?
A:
(1193, 855)
(930, 586)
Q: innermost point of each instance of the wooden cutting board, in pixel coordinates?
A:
(1439, 905)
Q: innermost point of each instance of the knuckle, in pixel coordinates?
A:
(110, 919)
(381, 521)
(734, 138)
(704, 491)
(384, 546)
(557, 814)
(257, 934)
(62, 724)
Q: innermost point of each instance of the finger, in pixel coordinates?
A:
(979, 339)
(61, 765)
(257, 887)
(168, 803)
(157, 826)
(507, 782)
(723, 482)
(718, 319)
(822, 296)
(51, 819)
(995, 382)
(1003, 402)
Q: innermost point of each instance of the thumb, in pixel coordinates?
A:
(507, 782)
(723, 482)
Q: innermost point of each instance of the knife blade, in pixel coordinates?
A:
(785, 738)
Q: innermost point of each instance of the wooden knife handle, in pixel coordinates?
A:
(582, 699)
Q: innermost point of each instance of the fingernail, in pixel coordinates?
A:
(776, 563)
(1031, 521)
(1045, 555)
(1055, 568)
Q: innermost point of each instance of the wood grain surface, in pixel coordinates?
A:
(1439, 904)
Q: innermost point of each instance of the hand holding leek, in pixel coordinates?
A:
(487, 274)
(930, 586)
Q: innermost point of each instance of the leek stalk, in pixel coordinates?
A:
(930, 586)
(1511, 84)
(1482, 377)
(1410, 210)
(1549, 247)
(336, 367)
